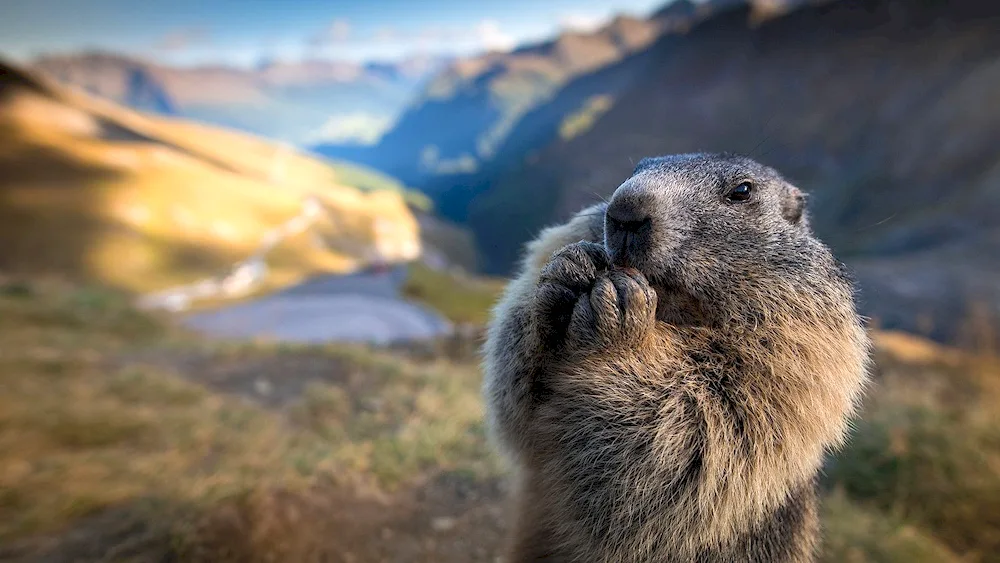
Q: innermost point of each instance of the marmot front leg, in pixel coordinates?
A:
(584, 303)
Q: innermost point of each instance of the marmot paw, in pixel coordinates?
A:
(569, 274)
(619, 310)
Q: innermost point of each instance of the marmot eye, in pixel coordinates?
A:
(741, 192)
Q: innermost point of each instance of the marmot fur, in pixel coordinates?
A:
(669, 368)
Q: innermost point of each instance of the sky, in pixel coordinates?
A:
(245, 32)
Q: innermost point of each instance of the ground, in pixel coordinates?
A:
(123, 438)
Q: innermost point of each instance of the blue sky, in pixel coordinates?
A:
(242, 32)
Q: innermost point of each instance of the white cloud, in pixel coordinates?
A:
(583, 22)
(340, 30)
(385, 34)
(493, 38)
(340, 40)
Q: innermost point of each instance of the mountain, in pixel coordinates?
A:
(466, 113)
(461, 129)
(149, 204)
(298, 102)
(884, 110)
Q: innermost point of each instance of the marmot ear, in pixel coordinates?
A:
(793, 205)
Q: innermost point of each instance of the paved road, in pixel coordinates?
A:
(362, 307)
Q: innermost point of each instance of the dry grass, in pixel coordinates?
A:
(856, 535)
(79, 434)
(928, 447)
(121, 439)
(106, 416)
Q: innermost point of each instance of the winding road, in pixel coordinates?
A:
(360, 307)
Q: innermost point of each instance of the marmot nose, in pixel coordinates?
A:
(628, 224)
(630, 211)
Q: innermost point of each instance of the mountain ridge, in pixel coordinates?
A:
(486, 96)
(288, 101)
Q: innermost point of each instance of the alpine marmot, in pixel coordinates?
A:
(669, 368)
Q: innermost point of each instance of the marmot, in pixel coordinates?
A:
(669, 368)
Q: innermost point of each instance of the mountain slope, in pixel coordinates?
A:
(302, 103)
(475, 116)
(884, 110)
(468, 110)
(95, 191)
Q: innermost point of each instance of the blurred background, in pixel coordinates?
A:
(248, 250)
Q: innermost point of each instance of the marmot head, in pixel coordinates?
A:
(722, 231)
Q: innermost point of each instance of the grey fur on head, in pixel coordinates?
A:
(668, 369)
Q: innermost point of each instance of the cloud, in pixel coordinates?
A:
(486, 35)
(184, 39)
(582, 22)
(338, 32)
(492, 38)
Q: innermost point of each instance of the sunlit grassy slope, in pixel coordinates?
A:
(144, 203)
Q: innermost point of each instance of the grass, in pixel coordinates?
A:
(79, 435)
(105, 410)
(582, 120)
(123, 439)
(856, 535)
(928, 447)
(459, 298)
(402, 420)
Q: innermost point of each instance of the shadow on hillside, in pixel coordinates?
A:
(115, 132)
(55, 214)
(49, 211)
(37, 165)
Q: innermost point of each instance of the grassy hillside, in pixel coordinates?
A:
(144, 203)
(368, 180)
(123, 439)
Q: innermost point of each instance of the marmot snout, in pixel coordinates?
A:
(669, 368)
